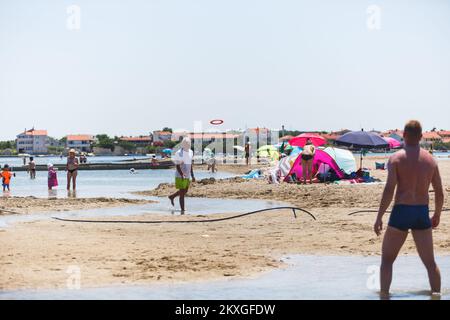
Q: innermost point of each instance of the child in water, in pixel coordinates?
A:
(6, 177)
(52, 177)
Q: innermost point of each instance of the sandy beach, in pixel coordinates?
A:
(38, 254)
(29, 205)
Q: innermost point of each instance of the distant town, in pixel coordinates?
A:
(37, 141)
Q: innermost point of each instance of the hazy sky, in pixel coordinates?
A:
(137, 65)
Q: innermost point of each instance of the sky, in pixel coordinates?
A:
(131, 67)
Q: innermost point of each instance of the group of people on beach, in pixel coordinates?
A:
(411, 171)
(52, 175)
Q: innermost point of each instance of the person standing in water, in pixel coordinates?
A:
(52, 179)
(72, 169)
(307, 155)
(32, 168)
(6, 176)
(184, 169)
(411, 171)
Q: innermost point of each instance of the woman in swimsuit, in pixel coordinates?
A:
(72, 169)
(307, 161)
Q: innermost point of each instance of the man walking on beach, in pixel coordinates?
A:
(183, 161)
(411, 171)
(247, 153)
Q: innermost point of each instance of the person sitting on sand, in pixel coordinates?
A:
(184, 169)
(32, 168)
(72, 169)
(307, 155)
(6, 176)
(410, 173)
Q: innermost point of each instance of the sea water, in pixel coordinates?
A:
(306, 277)
(100, 183)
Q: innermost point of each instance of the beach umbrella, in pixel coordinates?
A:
(393, 143)
(362, 141)
(268, 151)
(301, 140)
(167, 151)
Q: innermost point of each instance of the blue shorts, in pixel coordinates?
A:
(405, 217)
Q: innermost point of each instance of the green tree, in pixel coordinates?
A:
(152, 149)
(126, 145)
(169, 144)
(55, 150)
(104, 141)
(6, 145)
(167, 129)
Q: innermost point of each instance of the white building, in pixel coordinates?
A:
(32, 142)
(80, 142)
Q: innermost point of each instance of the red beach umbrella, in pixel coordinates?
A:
(300, 140)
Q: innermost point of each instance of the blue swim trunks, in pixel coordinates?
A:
(405, 217)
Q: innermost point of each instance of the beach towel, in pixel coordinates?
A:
(254, 174)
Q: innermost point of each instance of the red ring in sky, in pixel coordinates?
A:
(216, 122)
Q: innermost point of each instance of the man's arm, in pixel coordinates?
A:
(178, 167)
(388, 195)
(438, 197)
(192, 172)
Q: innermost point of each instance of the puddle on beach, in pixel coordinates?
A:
(306, 277)
(195, 206)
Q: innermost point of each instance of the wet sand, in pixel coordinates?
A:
(28, 205)
(37, 254)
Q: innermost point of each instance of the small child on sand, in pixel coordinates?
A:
(52, 177)
(6, 177)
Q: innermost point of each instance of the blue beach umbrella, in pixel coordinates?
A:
(167, 151)
(363, 141)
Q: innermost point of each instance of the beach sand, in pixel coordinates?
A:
(29, 205)
(38, 254)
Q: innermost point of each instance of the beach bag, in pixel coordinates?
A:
(380, 166)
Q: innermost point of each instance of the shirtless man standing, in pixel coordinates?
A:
(411, 170)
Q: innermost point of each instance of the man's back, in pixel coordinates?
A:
(411, 171)
(414, 168)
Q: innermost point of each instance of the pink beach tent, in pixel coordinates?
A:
(300, 140)
(321, 157)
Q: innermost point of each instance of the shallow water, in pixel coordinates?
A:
(194, 206)
(99, 183)
(306, 277)
(120, 184)
(18, 161)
